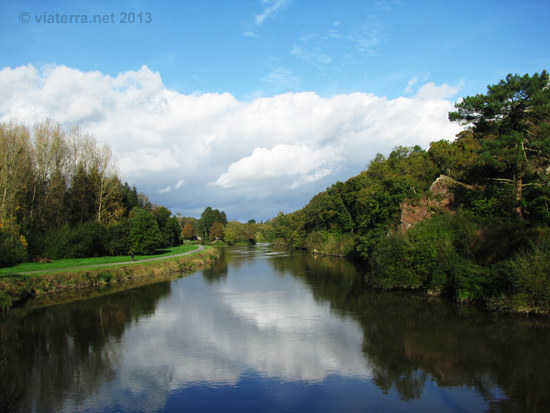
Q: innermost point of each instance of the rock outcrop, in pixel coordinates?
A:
(442, 197)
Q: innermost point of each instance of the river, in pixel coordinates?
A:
(271, 331)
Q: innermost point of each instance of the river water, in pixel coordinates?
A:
(271, 331)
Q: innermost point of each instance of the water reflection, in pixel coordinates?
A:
(274, 331)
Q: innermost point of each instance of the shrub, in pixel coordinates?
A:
(84, 240)
(530, 273)
(118, 238)
(12, 249)
(433, 255)
(89, 240)
(330, 243)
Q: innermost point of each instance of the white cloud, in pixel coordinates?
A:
(299, 164)
(281, 77)
(270, 7)
(430, 91)
(410, 84)
(258, 150)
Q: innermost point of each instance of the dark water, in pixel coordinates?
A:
(271, 331)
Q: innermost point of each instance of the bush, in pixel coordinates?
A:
(330, 243)
(84, 240)
(89, 240)
(391, 266)
(118, 238)
(12, 249)
(434, 255)
(529, 273)
(58, 243)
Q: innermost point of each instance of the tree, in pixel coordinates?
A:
(13, 247)
(208, 217)
(145, 235)
(512, 124)
(16, 168)
(216, 230)
(80, 197)
(188, 231)
(129, 197)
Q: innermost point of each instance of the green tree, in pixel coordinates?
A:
(118, 237)
(511, 123)
(145, 235)
(208, 217)
(168, 225)
(81, 199)
(13, 247)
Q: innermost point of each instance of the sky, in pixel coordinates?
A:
(254, 106)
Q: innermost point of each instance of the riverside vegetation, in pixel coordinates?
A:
(488, 239)
(61, 198)
(488, 243)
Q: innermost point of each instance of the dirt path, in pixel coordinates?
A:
(112, 264)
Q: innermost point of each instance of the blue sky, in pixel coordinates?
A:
(273, 100)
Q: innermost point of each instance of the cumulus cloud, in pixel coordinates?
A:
(432, 92)
(274, 152)
(299, 164)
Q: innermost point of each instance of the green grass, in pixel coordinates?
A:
(78, 262)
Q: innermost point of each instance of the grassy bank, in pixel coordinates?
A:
(80, 262)
(16, 288)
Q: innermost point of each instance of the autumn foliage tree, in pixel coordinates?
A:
(188, 232)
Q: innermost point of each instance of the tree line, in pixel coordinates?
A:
(214, 226)
(491, 244)
(61, 197)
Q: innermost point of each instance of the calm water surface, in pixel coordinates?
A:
(271, 331)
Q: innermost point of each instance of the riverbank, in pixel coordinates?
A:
(20, 287)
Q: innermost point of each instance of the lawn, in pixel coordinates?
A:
(78, 262)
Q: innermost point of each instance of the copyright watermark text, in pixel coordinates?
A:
(111, 18)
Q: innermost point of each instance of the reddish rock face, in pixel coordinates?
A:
(423, 209)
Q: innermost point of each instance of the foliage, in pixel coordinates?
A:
(527, 276)
(84, 240)
(330, 243)
(511, 124)
(435, 255)
(118, 237)
(168, 226)
(145, 236)
(481, 239)
(208, 217)
(236, 232)
(216, 230)
(188, 231)
(62, 196)
(13, 246)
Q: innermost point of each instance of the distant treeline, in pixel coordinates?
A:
(490, 244)
(61, 197)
